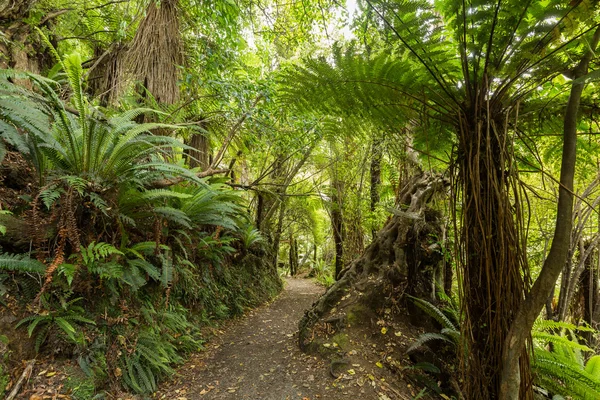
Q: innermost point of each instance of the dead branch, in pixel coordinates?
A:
(24, 376)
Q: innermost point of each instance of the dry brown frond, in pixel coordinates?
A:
(106, 76)
(157, 51)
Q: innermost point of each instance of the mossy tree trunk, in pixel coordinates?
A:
(404, 238)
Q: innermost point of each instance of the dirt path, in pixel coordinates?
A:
(258, 359)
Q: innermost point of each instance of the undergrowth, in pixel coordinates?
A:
(130, 253)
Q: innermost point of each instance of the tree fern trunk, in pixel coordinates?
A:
(493, 257)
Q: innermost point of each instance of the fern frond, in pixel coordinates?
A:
(433, 312)
(20, 263)
(427, 337)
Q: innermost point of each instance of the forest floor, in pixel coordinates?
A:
(257, 358)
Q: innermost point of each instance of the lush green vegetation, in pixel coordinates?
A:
(164, 162)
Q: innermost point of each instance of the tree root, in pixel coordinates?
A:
(387, 257)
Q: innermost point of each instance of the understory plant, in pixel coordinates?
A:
(118, 220)
(560, 366)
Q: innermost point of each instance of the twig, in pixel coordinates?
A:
(54, 14)
(25, 375)
(170, 182)
(232, 133)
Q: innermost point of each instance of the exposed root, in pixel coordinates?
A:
(400, 242)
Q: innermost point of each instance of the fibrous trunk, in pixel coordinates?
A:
(492, 251)
(156, 52)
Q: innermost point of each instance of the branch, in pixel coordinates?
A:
(530, 308)
(107, 4)
(25, 375)
(163, 183)
(54, 14)
(232, 133)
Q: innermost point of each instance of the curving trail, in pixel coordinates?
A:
(257, 358)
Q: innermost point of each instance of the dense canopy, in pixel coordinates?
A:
(165, 162)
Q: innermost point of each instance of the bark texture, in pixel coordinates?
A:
(403, 239)
(557, 257)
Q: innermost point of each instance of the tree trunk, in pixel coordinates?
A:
(528, 311)
(105, 78)
(200, 156)
(591, 296)
(376, 154)
(260, 211)
(293, 255)
(337, 225)
(494, 254)
(385, 260)
(278, 232)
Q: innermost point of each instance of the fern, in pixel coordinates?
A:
(67, 319)
(20, 263)
(433, 312)
(425, 338)
(97, 251)
(562, 370)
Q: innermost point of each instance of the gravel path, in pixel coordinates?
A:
(257, 358)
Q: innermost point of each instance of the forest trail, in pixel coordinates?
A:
(257, 358)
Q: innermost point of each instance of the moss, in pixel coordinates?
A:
(4, 380)
(4, 376)
(80, 385)
(341, 339)
(356, 313)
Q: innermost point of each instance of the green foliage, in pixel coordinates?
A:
(323, 273)
(80, 386)
(424, 338)
(150, 354)
(20, 263)
(3, 212)
(250, 236)
(4, 380)
(82, 147)
(434, 312)
(558, 361)
(67, 320)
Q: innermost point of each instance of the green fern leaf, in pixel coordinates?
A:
(433, 312)
(592, 366)
(20, 263)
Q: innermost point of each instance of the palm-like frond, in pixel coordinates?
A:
(214, 205)
(82, 142)
(426, 338)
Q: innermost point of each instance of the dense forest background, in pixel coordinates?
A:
(165, 162)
